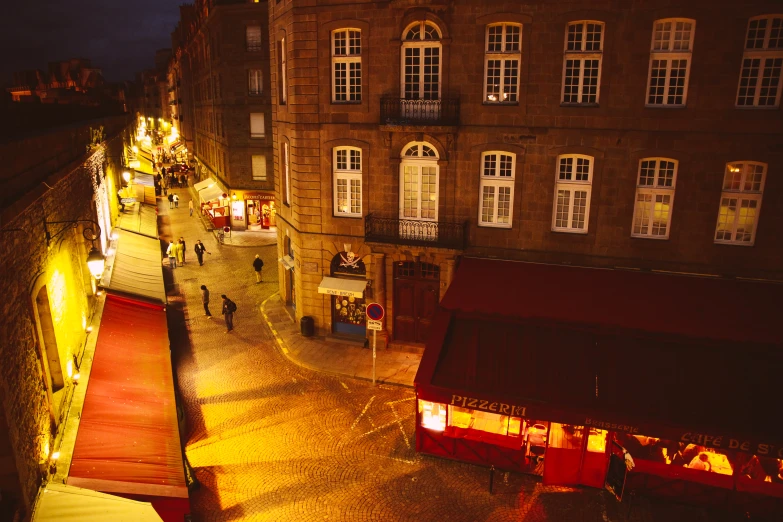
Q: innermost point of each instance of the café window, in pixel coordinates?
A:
(433, 415)
(566, 436)
(680, 454)
(484, 426)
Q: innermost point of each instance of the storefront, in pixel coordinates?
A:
(214, 203)
(516, 376)
(259, 207)
(346, 286)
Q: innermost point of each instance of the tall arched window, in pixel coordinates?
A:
(670, 62)
(421, 61)
(573, 185)
(419, 182)
(496, 189)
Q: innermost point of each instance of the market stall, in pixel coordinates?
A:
(515, 377)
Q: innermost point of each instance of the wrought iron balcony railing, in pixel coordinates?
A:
(400, 111)
(412, 232)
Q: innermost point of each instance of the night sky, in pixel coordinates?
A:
(119, 37)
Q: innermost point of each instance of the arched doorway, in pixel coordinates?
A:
(348, 311)
(416, 297)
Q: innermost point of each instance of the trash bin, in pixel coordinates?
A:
(307, 326)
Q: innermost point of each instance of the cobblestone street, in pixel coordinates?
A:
(273, 441)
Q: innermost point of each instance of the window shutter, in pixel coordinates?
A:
(253, 35)
(259, 167)
(257, 125)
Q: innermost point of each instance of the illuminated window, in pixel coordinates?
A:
(762, 63)
(740, 203)
(566, 436)
(496, 189)
(283, 79)
(347, 65)
(347, 182)
(573, 183)
(582, 63)
(670, 62)
(484, 421)
(654, 198)
(253, 37)
(286, 177)
(502, 59)
(433, 415)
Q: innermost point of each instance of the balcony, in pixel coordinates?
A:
(401, 111)
(411, 232)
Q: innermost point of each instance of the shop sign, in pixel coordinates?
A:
(128, 201)
(495, 407)
(719, 441)
(612, 426)
(310, 267)
(258, 195)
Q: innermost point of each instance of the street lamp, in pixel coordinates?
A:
(96, 262)
(126, 176)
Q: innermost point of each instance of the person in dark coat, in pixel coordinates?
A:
(200, 249)
(171, 200)
(205, 300)
(258, 265)
(228, 312)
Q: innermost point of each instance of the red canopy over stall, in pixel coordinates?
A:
(128, 440)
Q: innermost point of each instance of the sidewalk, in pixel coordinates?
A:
(336, 358)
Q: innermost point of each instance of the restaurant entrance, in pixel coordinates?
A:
(575, 456)
(416, 296)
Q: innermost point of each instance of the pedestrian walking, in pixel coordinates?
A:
(258, 265)
(171, 200)
(163, 172)
(190, 207)
(229, 307)
(171, 251)
(180, 253)
(184, 248)
(205, 300)
(183, 180)
(200, 249)
(176, 201)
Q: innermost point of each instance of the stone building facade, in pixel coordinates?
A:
(411, 133)
(223, 55)
(48, 290)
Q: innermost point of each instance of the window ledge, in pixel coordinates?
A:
(496, 226)
(500, 104)
(567, 231)
(662, 106)
(757, 107)
(734, 243)
(350, 216)
(658, 238)
(335, 102)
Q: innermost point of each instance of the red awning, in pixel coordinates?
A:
(128, 439)
(551, 339)
(700, 307)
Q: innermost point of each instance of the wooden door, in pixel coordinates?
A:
(416, 297)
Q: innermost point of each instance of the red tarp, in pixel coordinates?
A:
(571, 343)
(701, 307)
(128, 439)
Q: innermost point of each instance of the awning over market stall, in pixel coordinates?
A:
(64, 503)
(141, 219)
(137, 268)
(128, 438)
(210, 193)
(338, 286)
(201, 185)
(661, 354)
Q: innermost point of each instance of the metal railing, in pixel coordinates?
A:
(412, 232)
(401, 111)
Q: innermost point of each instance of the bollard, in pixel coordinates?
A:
(491, 478)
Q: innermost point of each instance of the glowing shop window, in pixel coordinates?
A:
(566, 436)
(433, 415)
(596, 440)
(484, 421)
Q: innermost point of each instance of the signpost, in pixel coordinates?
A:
(375, 315)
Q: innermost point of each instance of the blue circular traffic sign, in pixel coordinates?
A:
(375, 311)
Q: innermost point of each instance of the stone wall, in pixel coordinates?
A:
(27, 263)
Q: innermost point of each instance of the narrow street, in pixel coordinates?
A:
(272, 441)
